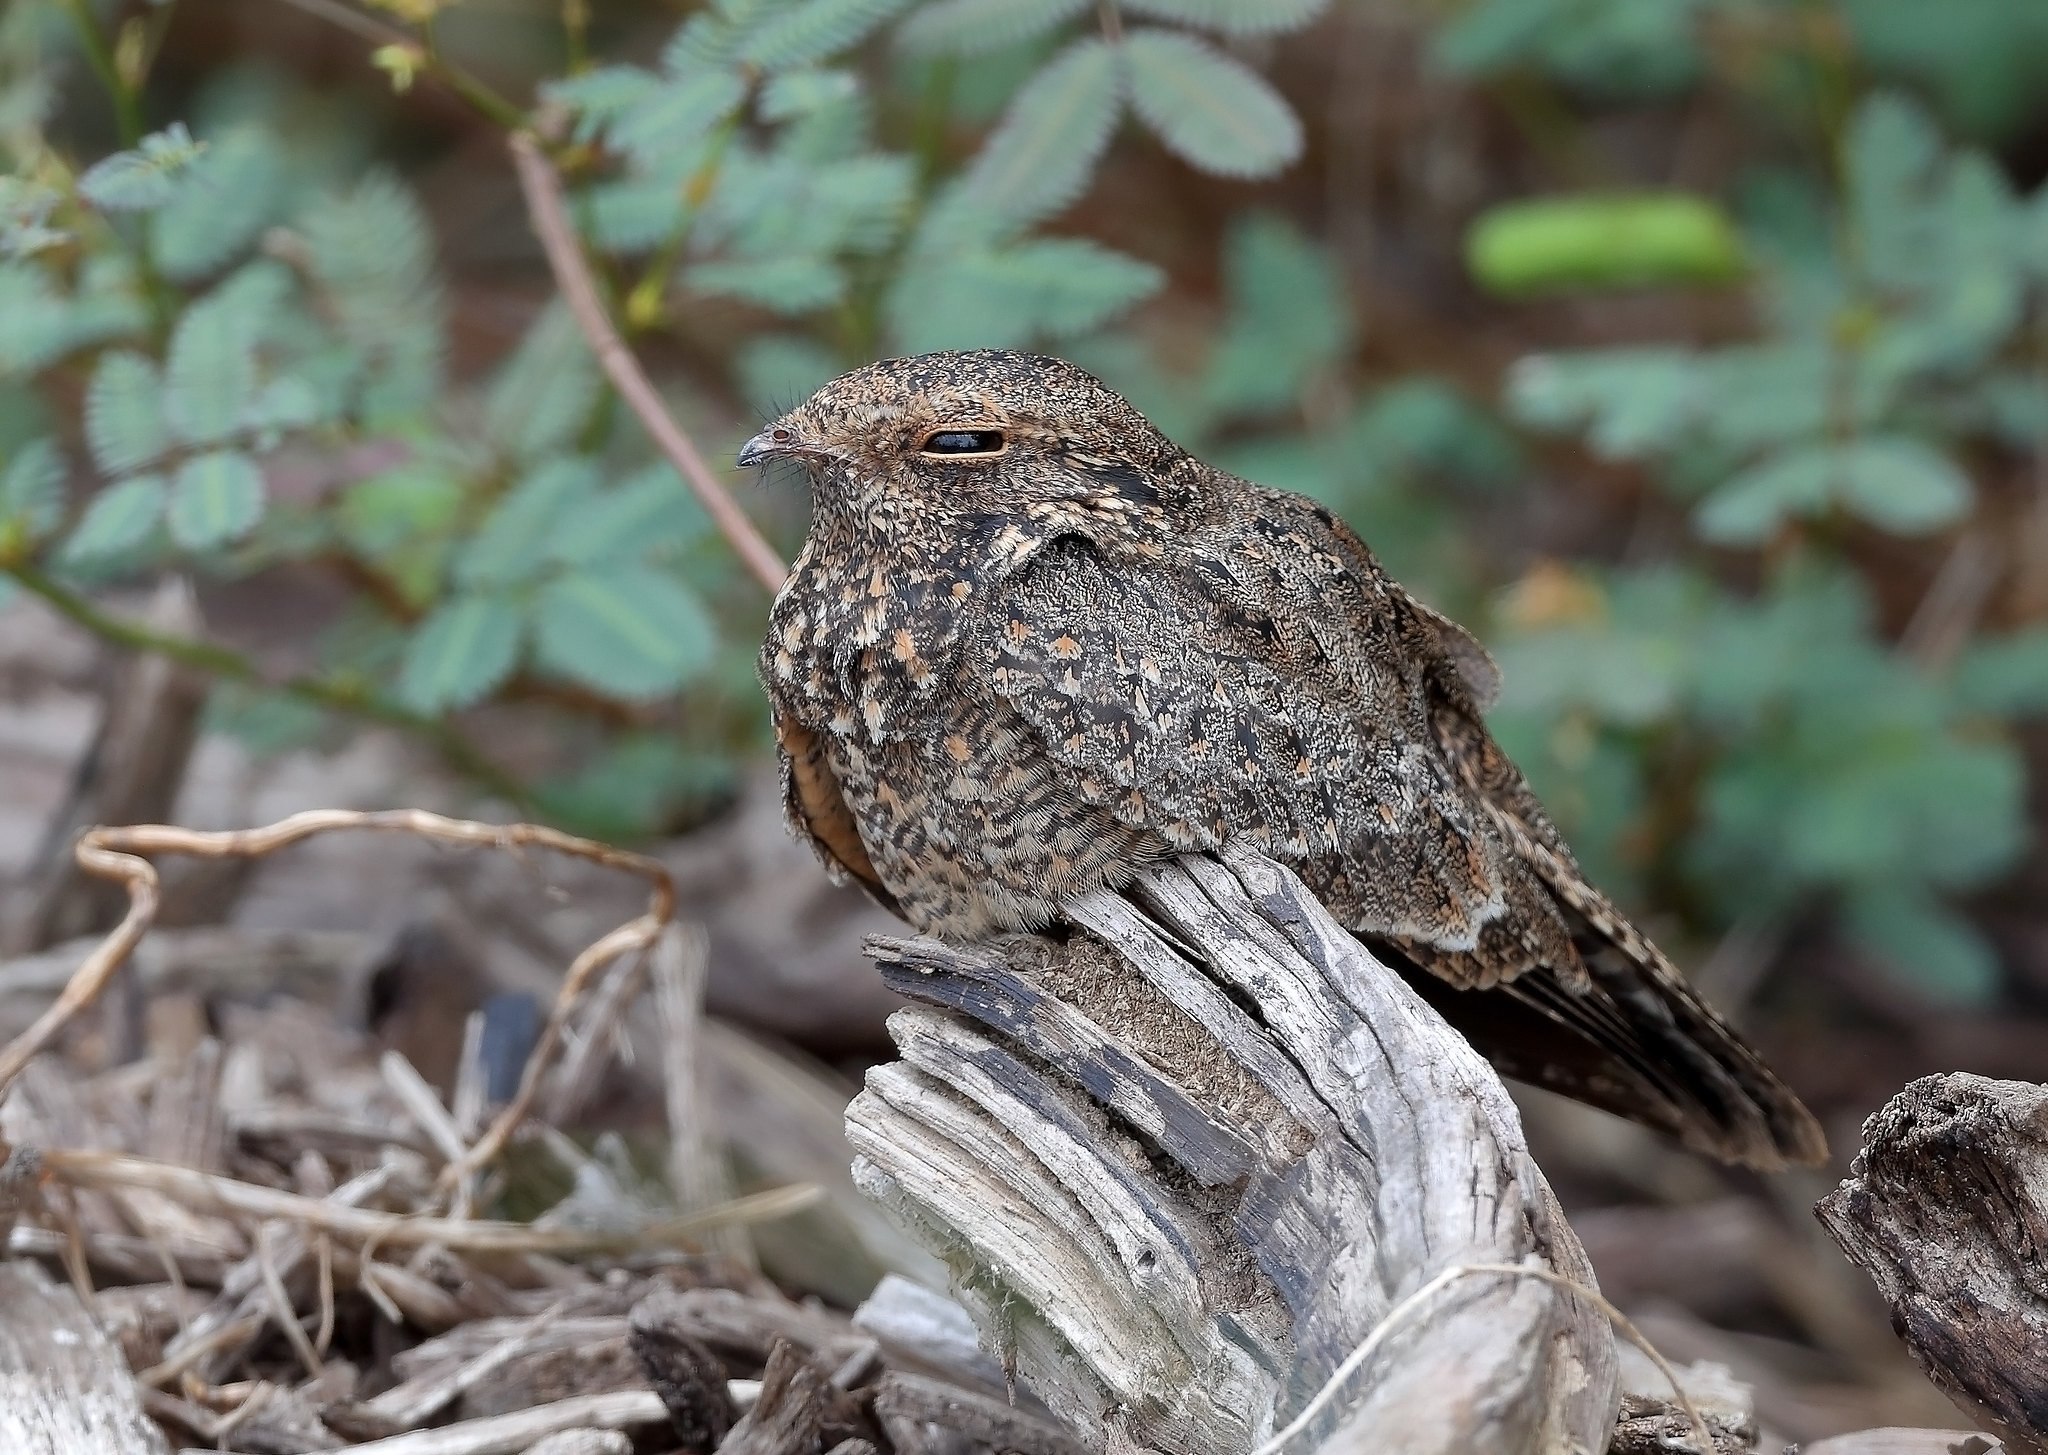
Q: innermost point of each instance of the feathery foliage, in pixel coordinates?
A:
(197, 321)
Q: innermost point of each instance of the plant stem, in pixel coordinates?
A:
(646, 294)
(481, 98)
(550, 216)
(127, 106)
(486, 101)
(228, 665)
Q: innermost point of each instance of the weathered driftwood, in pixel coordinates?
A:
(64, 1387)
(1186, 1161)
(1946, 1208)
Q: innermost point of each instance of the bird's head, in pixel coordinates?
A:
(987, 432)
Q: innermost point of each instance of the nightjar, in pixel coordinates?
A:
(1032, 646)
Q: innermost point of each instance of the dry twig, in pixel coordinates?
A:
(118, 854)
(543, 191)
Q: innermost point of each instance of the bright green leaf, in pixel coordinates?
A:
(1611, 240)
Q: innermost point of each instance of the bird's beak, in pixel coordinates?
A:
(757, 450)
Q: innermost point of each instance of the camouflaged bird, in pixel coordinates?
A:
(1032, 646)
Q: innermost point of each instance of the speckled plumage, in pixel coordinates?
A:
(999, 680)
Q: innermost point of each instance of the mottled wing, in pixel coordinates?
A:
(1193, 699)
(1281, 689)
(817, 810)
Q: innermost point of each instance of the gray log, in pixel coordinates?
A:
(1186, 1160)
(64, 1387)
(1946, 1208)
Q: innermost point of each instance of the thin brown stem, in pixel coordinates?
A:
(543, 190)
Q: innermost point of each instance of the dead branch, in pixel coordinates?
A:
(1216, 1169)
(118, 854)
(1946, 1208)
(63, 1385)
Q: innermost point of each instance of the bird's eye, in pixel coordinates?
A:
(964, 442)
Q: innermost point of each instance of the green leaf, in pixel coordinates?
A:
(1602, 240)
(1893, 481)
(1290, 316)
(232, 193)
(217, 497)
(799, 93)
(600, 96)
(1902, 484)
(677, 114)
(143, 179)
(2006, 674)
(372, 255)
(39, 325)
(466, 647)
(789, 286)
(402, 521)
(1047, 287)
(1633, 403)
(545, 391)
(1753, 503)
(646, 515)
(32, 490)
(630, 632)
(972, 27)
(1208, 107)
(124, 414)
(211, 380)
(1891, 153)
(812, 30)
(515, 539)
(120, 518)
(1925, 944)
(1232, 17)
(1041, 157)
(632, 215)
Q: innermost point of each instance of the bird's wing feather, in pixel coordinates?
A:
(818, 813)
(1290, 694)
(1183, 708)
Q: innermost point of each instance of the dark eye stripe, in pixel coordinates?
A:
(964, 442)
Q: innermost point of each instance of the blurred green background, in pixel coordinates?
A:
(1693, 352)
